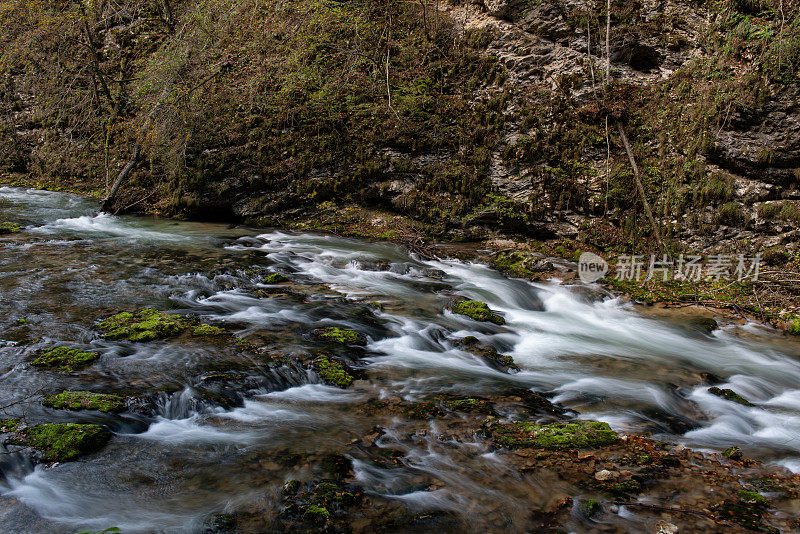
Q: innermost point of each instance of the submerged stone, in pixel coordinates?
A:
(65, 358)
(488, 354)
(470, 405)
(477, 310)
(62, 442)
(339, 335)
(554, 435)
(142, 325)
(332, 372)
(590, 507)
(730, 395)
(85, 400)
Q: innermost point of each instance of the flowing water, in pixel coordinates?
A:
(167, 472)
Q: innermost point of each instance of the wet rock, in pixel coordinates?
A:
(576, 434)
(663, 527)
(488, 354)
(9, 228)
(479, 311)
(65, 358)
(332, 372)
(62, 442)
(470, 405)
(84, 400)
(276, 278)
(220, 524)
(339, 335)
(605, 474)
(729, 395)
(734, 453)
(522, 264)
(590, 508)
(627, 487)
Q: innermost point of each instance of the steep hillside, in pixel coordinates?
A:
(462, 121)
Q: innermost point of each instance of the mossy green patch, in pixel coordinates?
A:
(62, 442)
(65, 358)
(733, 452)
(10, 425)
(553, 436)
(477, 310)
(626, 487)
(729, 395)
(208, 330)
(9, 228)
(275, 278)
(339, 335)
(143, 325)
(470, 405)
(332, 372)
(590, 507)
(752, 497)
(85, 400)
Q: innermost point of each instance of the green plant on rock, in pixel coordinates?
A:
(208, 330)
(576, 434)
(729, 395)
(62, 442)
(477, 310)
(332, 372)
(275, 278)
(9, 228)
(339, 335)
(10, 425)
(142, 325)
(65, 358)
(85, 400)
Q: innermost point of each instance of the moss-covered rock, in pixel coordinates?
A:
(733, 452)
(626, 487)
(275, 278)
(554, 435)
(339, 335)
(208, 330)
(10, 425)
(62, 442)
(470, 405)
(65, 358)
(142, 325)
(476, 310)
(85, 400)
(9, 228)
(752, 497)
(332, 372)
(730, 395)
(590, 507)
(521, 264)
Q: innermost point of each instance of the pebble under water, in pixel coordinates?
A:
(194, 455)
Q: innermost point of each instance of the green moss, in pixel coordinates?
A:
(477, 310)
(794, 325)
(729, 395)
(470, 404)
(626, 487)
(9, 228)
(340, 335)
(65, 358)
(276, 278)
(85, 400)
(332, 372)
(9, 425)
(62, 442)
(555, 435)
(752, 497)
(734, 453)
(143, 325)
(208, 330)
(590, 507)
